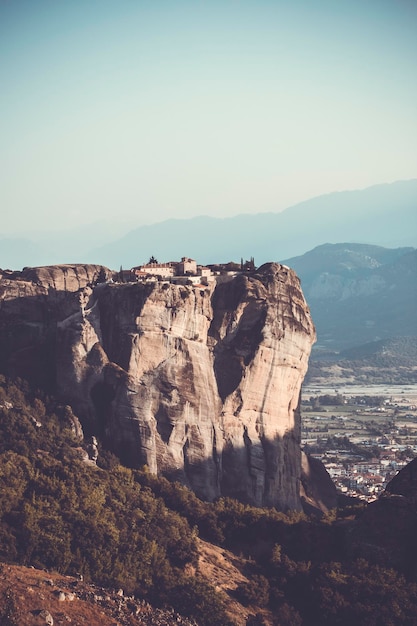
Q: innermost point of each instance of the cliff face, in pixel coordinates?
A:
(263, 335)
(200, 383)
(31, 304)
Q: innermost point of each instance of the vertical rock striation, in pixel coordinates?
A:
(263, 334)
(201, 384)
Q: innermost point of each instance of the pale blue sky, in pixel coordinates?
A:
(145, 110)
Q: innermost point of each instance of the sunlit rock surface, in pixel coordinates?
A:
(201, 384)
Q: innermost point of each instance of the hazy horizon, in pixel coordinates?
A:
(149, 111)
(125, 226)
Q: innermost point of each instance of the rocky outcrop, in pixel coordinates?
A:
(201, 384)
(318, 491)
(32, 302)
(263, 334)
(385, 533)
(66, 277)
(405, 482)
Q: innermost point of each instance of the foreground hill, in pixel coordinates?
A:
(32, 597)
(61, 511)
(69, 516)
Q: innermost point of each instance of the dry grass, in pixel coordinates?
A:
(26, 593)
(224, 570)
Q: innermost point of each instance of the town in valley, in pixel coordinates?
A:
(363, 435)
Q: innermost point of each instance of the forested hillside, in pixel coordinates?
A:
(124, 528)
(391, 360)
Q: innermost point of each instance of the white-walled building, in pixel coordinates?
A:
(165, 270)
(187, 266)
(178, 270)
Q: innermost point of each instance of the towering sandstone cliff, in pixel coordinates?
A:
(199, 383)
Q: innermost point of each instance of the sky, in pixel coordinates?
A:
(138, 111)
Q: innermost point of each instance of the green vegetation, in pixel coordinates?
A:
(344, 443)
(379, 369)
(59, 512)
(327, 400)
(126, 528)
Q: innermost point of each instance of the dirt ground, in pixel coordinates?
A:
(31, 597)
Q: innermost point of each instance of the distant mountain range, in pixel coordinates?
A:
(359, 293)
(385, 350)
(384, 215)
(387, 362)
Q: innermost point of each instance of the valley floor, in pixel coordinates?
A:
(362, 444)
